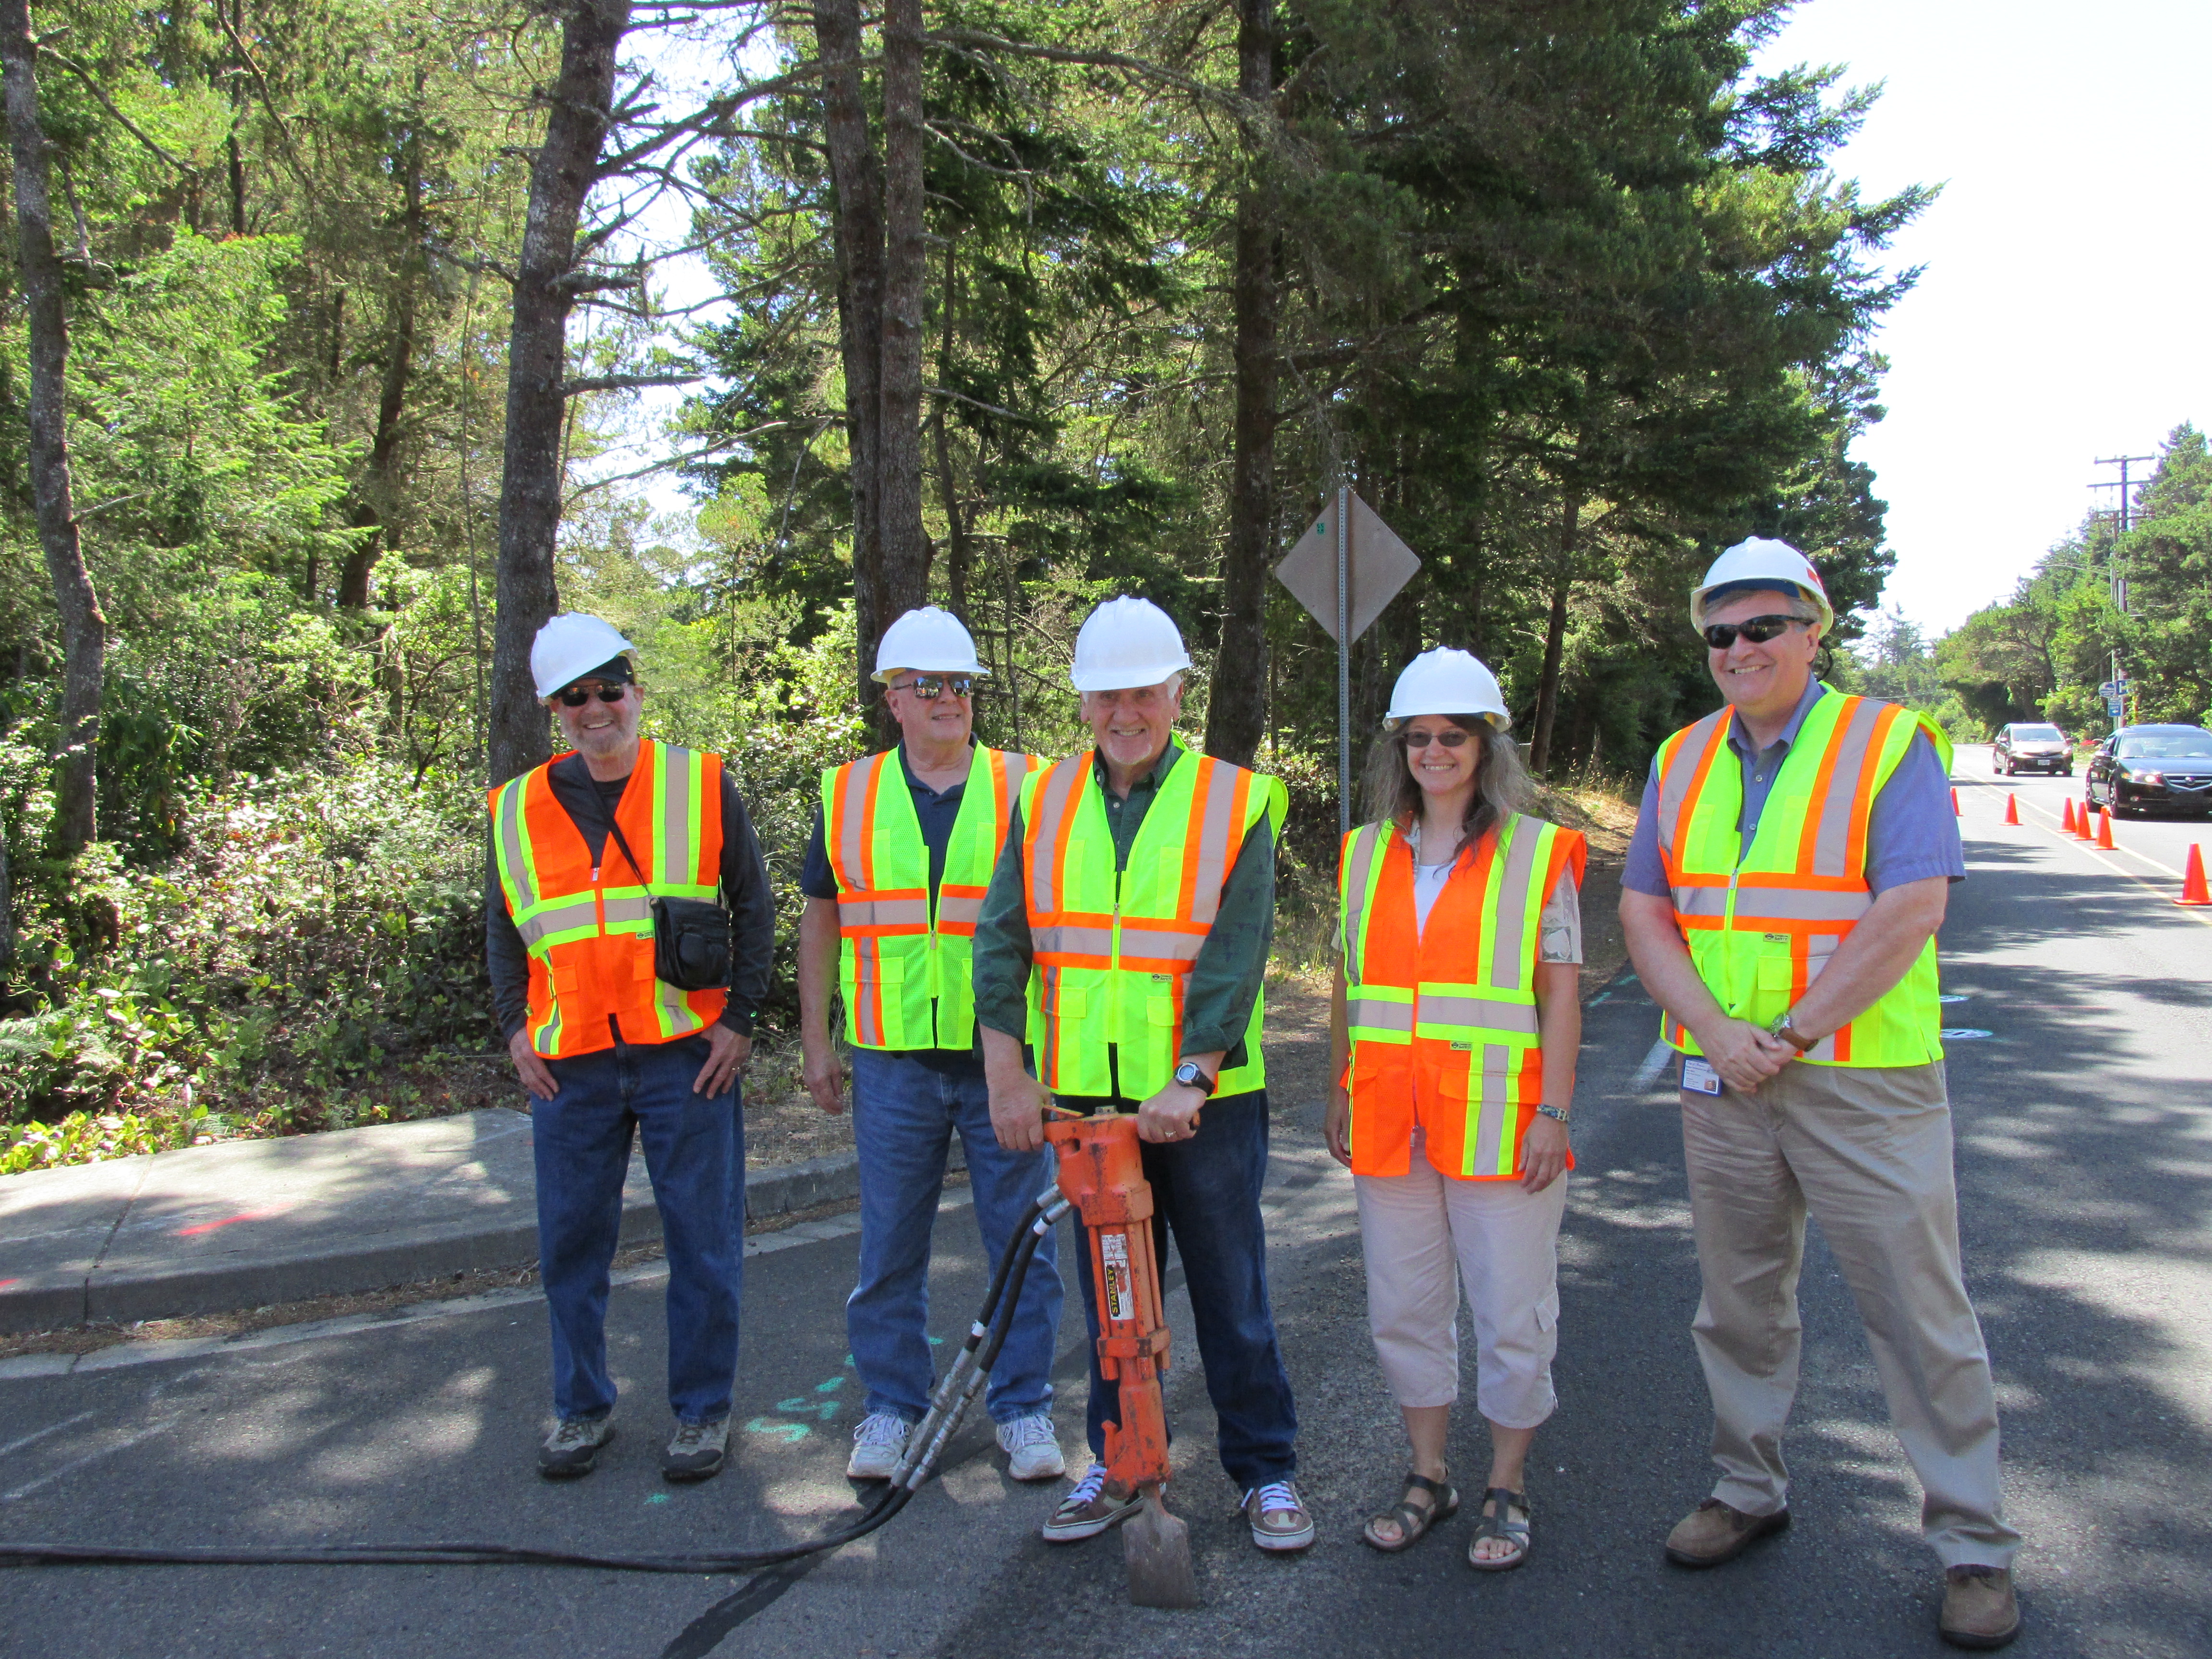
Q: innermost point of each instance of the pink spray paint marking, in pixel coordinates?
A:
(228, 1221)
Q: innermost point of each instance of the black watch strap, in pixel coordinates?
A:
(1192, 1076)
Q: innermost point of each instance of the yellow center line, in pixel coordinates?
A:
(2065, 840)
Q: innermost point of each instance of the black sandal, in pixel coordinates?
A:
(1503, 1527)
(1413, 1519)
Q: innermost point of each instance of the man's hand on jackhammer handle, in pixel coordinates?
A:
(1170, 1114)
(536, 1076)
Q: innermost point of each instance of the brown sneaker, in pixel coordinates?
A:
(1092, 1507)
(1277, 1517)
(1715, 1532)
(1978, 1608)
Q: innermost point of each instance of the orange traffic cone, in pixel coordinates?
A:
(2192, 881)
(2104, 831)
(2012, 808)
(2066, 822)
(1955, 812)
(2081, 829)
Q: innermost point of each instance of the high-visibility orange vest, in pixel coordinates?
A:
(589, 928)
(1443, 1017)
(906, 975)
(1113, 950)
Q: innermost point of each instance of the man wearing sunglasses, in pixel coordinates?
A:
(902, 851)
(1789, 872)
(581, 849)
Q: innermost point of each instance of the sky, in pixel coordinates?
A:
(2062, 315)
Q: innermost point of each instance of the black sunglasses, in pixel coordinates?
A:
(576, 697)
(1758, 630)
(926, 686)
(1450, 736)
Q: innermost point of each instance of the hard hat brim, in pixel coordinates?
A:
(1126, 680)
(883, 676)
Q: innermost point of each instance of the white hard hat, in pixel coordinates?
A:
(1449, 682)
(1126, 642)
(927, 640)
(570, 647)
(1761, 562)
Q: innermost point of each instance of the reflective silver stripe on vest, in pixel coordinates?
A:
(1496, 1121)
(1159, 943)
(678, 858)
(1492, 1013)
(510, 842)
(1217, 796)
(1059, 940)
(1378, 1013)
(883, 913)
(1358, 869)
(954, 910)
(853, 810)
(1832, 835)
(1512, 906)
(557, 919)
(1793, 904)
(1675, 782)
(1056, 799)
(635, 908)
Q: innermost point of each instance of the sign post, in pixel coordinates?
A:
(1345, 569)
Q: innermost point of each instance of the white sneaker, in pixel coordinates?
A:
(877, 1444)
(1032, 1451)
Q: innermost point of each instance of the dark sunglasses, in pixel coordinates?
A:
(1450, 736)
(576, 696)
(1758, 630)
(926, 686)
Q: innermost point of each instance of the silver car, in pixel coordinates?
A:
(2026, 747)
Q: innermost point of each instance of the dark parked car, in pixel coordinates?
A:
(2153, 768)
(2026, 747)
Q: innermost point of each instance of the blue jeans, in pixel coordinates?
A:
(694, 1150)
(904, 1114)
(1206, 1191)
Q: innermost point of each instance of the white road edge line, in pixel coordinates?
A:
(37, 1435)
(76, 1463)
(1653, 1063)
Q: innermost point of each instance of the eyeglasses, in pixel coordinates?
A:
(926, 686)
(1450, 736)
(1759, 629)
(577, 696)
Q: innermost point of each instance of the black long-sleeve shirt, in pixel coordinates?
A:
(591, 805)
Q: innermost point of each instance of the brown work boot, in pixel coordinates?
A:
(1715, 1532)
(1978, 1608)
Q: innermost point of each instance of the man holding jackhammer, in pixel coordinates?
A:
(627, 996)
(1138, 887)
(902, 850)
(1789, 872)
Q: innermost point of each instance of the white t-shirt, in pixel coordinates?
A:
(1558, 930)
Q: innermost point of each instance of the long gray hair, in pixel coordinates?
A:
(1501, 782)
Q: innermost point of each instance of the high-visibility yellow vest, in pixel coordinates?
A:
(589, 927)
(1760, 926)
(906, 966)
(1114, 951)
(1443, 1017)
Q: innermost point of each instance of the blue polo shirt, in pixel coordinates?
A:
(1913, 834)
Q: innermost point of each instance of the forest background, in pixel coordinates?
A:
(1009, 307)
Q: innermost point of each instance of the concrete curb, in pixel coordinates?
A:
(453, 1242)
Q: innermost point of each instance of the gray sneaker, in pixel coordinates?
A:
(696, 1450)
(574, 1447)
(877, 1445)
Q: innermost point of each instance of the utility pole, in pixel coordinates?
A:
(2127, 507)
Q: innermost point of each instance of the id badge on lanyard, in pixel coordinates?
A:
(1698, 1077)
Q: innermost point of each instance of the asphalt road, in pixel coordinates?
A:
(2085, 1149)
(2153, 848)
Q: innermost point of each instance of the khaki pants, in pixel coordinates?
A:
(1423, 1233)
(1868, 1150)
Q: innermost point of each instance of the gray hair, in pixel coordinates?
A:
(1502, 784)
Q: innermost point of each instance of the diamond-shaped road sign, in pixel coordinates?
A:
(1378, 565)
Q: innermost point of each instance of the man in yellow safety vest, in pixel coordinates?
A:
(1789, 869)
(903, 847)
(1135, 899)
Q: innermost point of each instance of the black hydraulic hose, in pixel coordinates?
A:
(986, 1336)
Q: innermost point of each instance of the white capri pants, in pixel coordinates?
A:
(1415, 1229)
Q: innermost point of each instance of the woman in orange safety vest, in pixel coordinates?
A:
(1453, 1036)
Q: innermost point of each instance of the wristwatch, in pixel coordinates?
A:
(1556, 1114)
(1790, 1033)
(1191, 1077)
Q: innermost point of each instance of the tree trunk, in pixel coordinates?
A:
(856, 182)
(84, 630)
(957, 554)
(904, 581)
(1555, 637)
(1236, 709)
(379, 483)
(536, 356)
(234, 154)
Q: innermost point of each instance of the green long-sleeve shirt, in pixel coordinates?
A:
(1226, 980)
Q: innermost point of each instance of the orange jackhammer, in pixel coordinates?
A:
(1102, 1174)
